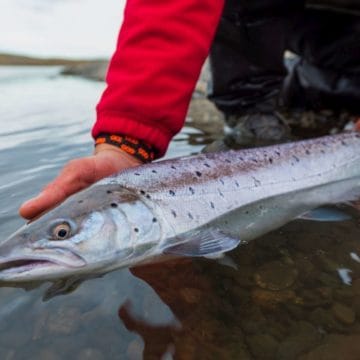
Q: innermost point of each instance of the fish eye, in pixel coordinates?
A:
(61, 231)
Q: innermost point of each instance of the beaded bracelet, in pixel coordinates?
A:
(138, 148)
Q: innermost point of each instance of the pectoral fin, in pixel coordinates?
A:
(325, 213)
(63, 287)
(205, 242)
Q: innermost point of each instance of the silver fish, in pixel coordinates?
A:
(201, 205)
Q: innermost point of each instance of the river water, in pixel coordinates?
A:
(294, 293)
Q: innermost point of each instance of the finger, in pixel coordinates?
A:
(45, 200)
(75, 176)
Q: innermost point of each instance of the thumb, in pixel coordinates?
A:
(75, 176)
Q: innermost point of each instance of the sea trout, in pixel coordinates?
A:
(201, 205)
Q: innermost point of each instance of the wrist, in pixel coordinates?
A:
(102, 149)
(135, 148)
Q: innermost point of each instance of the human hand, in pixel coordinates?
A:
(77, 175)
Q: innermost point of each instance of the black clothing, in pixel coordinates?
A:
(247, 57)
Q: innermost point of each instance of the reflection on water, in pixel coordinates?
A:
(287, 297)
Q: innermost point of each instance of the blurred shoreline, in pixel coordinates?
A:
(8, 59)
(202, 114)
(94, 69)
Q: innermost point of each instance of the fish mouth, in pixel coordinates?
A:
(21, 265)
(37, 266)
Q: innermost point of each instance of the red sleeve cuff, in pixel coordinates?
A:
(157, 137)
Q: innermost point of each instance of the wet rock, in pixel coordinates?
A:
(270, 299)
(239, 295)
(245, 277)
(95, 70)
(8, 354)
(204, 116)
(326, 263)
(356, 306)
(278, 330)
(65, 320)
(304, 337)
(237, 351)
(90, 354)
(135, 350)
(46, 354)
(191, 295)
(203, 81)
(356, 287)
(343, 313)
(15, 338)
(315, 297)
(308, 270)
(262, 346)
(38, 329)
(296, 312)
(252, 320)
(324, 319)
(336, 347)
(329, 280)
(275, 276)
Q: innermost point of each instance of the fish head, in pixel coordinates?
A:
(86, 234)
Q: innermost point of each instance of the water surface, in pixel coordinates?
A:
(294, 293)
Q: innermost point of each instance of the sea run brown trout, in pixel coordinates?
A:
(201, 205)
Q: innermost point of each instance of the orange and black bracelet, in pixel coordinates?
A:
(138, 148)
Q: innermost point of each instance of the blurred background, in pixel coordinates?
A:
(60, 28)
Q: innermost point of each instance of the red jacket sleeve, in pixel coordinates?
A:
(161, 48)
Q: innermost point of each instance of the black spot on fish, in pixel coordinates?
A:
(108, 191)
(343, 143)
(277, 153)
(198, 173)
(228, 161)
(222, 181)
(114, 205)
(212, 205)
(207, 165)
(172, 193)
(154, 171)
(257, 182)
(80, 201)
(307, 152)
(357, 135)
(270, 160)
(137, 174)
(173, 167)
(142, 192)
(154, 220)
(322, 151)
(296, 158)
(241, 158)
(148, 196)
(173, 213)
(254, 160)
(136, 230)
(220, 193)
(190, 216)
(236, 183)
(191, 190)
(247, 212)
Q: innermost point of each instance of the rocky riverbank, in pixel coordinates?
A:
(19, 60)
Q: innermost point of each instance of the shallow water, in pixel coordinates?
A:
(287, 295)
